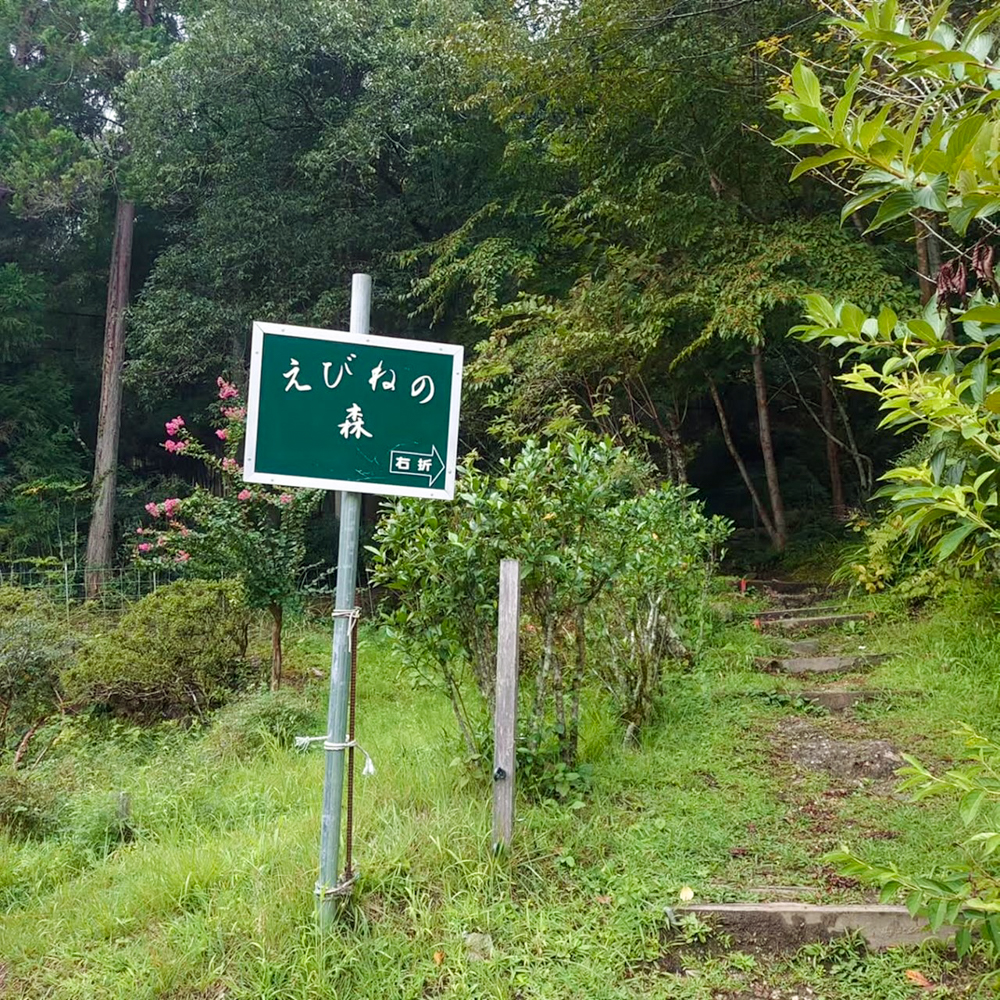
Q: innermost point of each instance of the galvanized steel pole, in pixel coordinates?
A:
(340, 664)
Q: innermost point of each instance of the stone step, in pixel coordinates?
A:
(797, 665)
(777, 615)
(786, 586)
(787, 926)
(837, 701)
(801, 647)
(807, 623)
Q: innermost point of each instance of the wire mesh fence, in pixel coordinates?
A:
(65, 584)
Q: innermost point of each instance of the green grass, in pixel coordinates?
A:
(209, 893)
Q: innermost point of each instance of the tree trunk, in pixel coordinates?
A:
(767, 449)
(145, 9)
(100, 539)
(832, 448)
(737, 458)
(670, 435)
(276, 618)
(925, 274)
(580, 669)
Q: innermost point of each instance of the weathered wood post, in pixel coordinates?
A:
(505, 718)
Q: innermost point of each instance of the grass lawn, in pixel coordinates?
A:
(207, 892)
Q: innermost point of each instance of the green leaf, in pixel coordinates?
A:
(971, 803)
(980, 373)
(897, 204)
(806, 85)
(963, 941)
(991, 933)
(864, 198)
(982, 314)
(953, 539)
(933, 194)
(815, 162)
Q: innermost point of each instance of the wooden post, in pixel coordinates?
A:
(505, 718)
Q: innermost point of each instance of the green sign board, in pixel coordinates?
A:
(342, 411)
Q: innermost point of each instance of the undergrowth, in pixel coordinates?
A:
(179, 862)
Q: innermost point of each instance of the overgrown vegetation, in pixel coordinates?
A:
(594, 199)
(221, 843)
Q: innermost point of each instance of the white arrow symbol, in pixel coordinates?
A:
(415, 463)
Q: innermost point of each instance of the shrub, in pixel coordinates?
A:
(34, 645)
(257, 722)
(657, 609)
(28, 807)
(178, 651)
(608, 564)
(253, 534)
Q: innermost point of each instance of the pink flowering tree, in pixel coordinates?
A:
(250, 532)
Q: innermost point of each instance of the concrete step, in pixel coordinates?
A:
(787, 926)
(806, 623)
(798, 665)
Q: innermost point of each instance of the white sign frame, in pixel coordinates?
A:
(251, 475)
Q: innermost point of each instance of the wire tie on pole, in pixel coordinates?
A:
(351, 613)
(342, 888)
(304, 742)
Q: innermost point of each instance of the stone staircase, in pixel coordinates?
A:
(804, 623)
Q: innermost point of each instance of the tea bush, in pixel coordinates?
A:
(177, 652)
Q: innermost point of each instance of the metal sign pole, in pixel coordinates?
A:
(335, 745)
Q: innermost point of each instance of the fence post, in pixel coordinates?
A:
(505, 718)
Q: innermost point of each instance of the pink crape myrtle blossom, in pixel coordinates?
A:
(176, 447)
(174, 426)
(151, 508)
(234, 412)
(230, 465)
(182, 556)
(285, 498)
(169, 506)
(244, 495)
(144, 546)
(222, 434)
(226, 389)
(161, 541)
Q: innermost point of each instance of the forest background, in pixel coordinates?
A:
(585, 195)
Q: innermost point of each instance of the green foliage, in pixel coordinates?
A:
(922, 141)
(544, 507)
(20, 310)
(920, 145)
(892, 558)
(179, 651)
(260, 722)
(47, 166)
(27, 807)
(582, 520)
(349, 169)
(965, 894)
(656, 610)
(35, 645)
